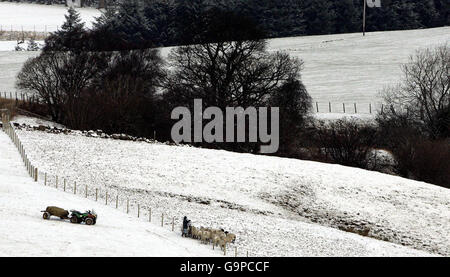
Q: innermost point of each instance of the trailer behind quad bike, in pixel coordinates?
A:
(55, 211)
(88, 217)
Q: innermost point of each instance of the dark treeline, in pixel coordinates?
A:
(169, 22)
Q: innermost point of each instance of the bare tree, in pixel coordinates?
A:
(225, 74)
(423, 95)
(59, 78)
(346, 142)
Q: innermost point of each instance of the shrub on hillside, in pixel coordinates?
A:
(430, 162)
(346, 142)
(421, 99)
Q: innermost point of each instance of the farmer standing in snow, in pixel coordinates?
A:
(185, 227)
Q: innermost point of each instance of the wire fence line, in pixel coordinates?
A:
(112, 198)
(318, 106)
(346, 107)
(23, 32)
(29, 28)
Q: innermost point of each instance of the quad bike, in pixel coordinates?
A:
(55, 211)
(88, 217)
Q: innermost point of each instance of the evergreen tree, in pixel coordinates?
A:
(70, 36)
(189, 20)
(320, 17)
(130, 22)
(32, 45)
(126, 27)
(443, 9)
(427, 13)
(347, 17)
(161, 19)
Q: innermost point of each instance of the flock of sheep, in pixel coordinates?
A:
(214, 236)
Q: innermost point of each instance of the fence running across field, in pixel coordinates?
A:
(318, 106)
(19, 96)
(98, 194)
(13, 32)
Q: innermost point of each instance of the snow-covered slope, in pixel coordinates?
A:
(268, 202)
(350, 68)
(344, 68)
(39, 18)
(23, 232)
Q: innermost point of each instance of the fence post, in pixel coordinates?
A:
(343, 106)
(117, 200)
(36, 174)
(329, 106)
(317, 107)
(74, 187)
(150, 215)
(106, 198)
(162, 220)
(45, 179)
(370, 108)
(128, 205)
(356, 111)
(96, 194)
(86, 191)
(139, 210)
(173, 224)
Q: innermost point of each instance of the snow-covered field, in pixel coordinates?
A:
(343, 68)
(39, 18)
(277, 207)
(351, 68)
(23, 232)
(11, 63)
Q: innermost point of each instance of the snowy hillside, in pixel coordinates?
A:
(23, 232)
(339, 68)
(268, 202)
(44, 17)
(344, 68)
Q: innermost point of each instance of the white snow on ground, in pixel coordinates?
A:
(342, 68)
(11, 63)
(39, 18)
(337, 116)
(350, 68)
(267, 201)
(23, 232)
(33, 121)
(11, 45)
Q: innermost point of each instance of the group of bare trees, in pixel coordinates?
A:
(135, 91)
(422, 97)
(416, 128)
(85, 90)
